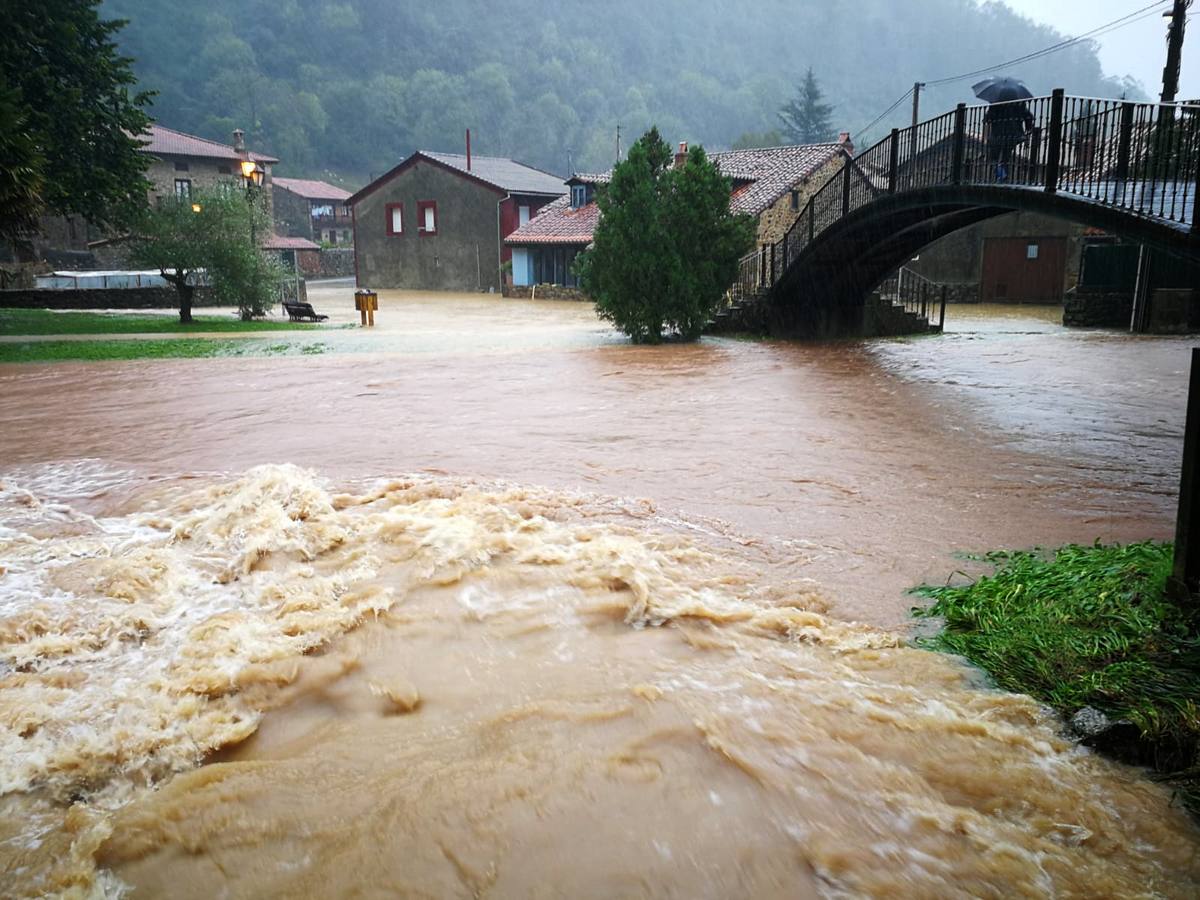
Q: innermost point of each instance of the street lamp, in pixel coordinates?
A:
(252, 172)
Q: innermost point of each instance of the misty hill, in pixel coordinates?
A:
(352, 87)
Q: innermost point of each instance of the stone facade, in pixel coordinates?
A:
(544, 292)
(1097, 309)
(201, 175)
(461, 256)
(775, 221)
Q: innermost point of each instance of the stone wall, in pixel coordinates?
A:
(775, 221)
(962, 293)
(337, 263)
(99, 298)
(543, 292)
(1097, 309)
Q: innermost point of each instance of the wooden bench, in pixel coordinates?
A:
(302, 312)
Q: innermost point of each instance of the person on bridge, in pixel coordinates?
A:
(1007, 122)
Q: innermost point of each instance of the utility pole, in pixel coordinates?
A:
(618, 142)
(1178, 16)
(916, 116)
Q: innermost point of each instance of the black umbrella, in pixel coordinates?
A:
(1000, 89)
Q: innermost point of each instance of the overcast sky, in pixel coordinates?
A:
(1138, 49)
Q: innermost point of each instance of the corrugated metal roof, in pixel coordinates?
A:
(311, 190)
(506, 174)
(169, 142)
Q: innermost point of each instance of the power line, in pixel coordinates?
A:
(1137, 15)
(1127, 19)
(883, 114)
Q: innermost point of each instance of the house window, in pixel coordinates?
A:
(427, 217)
(522, 215)
(1031, 251)
(578, 195)
(346, 237)
(224, 170)
(332, 236)
(795, 200)
(395, 218)
(181, 166)
(183, 188)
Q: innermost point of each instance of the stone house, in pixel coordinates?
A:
(315, 210)
(437, 221)
(179, 164)
(773, 184)
(183, 163)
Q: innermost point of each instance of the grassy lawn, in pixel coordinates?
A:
(167, 348)
(45, 321)
(1088, 627)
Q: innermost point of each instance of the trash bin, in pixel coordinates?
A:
(366, 302)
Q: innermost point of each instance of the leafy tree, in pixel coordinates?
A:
(805, 118)
(213, 233)
(74, 97)
(666, 247)
(21, 169)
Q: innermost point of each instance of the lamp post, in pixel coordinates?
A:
(252, 172)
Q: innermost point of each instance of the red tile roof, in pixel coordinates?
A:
(311, 190)
(168, 142)
(557, 223)
(278, 242)
(761, 176)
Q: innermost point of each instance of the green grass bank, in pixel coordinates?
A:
(1089, 627)
(45, 321)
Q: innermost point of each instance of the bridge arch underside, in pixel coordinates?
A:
(822, 290)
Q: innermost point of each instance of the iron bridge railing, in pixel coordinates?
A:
(1141, 158)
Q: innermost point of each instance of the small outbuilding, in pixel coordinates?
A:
(438, 221)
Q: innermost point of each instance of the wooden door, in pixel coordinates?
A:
(1023, 270)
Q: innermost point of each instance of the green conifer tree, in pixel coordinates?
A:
(805, 119)
(667, 245)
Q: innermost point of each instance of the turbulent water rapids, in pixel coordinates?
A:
(271, 685)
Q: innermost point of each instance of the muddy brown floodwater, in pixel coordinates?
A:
(487, 602)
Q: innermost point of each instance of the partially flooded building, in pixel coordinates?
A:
(438, 221)
(772, 184)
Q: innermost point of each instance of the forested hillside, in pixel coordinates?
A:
(351, 87)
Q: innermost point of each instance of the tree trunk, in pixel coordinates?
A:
(185, 302)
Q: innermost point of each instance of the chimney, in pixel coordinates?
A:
(468, 149)
(681, 156)
(844, 140)
(239, 140)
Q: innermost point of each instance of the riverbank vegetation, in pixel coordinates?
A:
(1089, 628)
(46, 321)
(164, 348)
